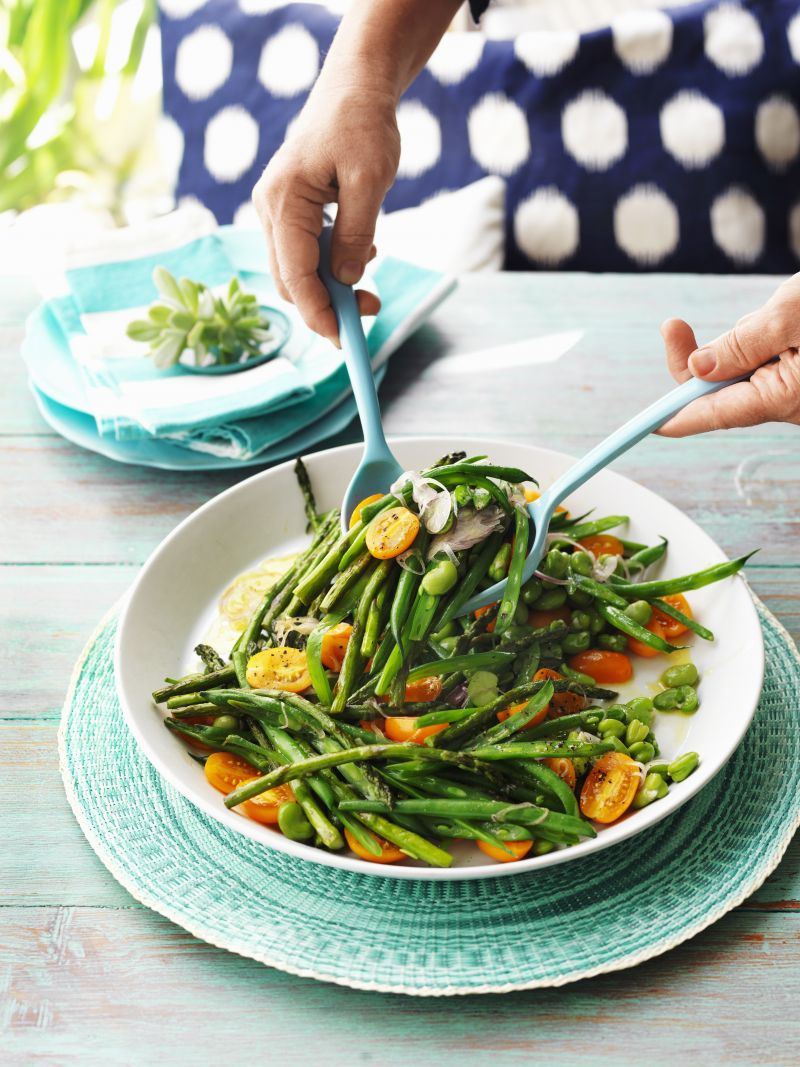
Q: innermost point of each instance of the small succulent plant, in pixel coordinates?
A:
(221, 330)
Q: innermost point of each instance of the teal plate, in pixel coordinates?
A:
(602, 913)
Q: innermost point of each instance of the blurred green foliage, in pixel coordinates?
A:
(72, 120)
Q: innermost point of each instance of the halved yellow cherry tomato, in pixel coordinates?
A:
(375, 726)
(565, 703)
(389, 854)
(264, 808)
(279, 668)
(518, 850)
(610, 787)
(563, 767)
(334, 646)
(356, 516)
(392, 533)
(404, 728)
(603, 545)
(226, 772)
(534, 494)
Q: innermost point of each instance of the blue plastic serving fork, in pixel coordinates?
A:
(378, 467)
(541, 510)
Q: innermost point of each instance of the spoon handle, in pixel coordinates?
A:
(632, 431)
(356, 353)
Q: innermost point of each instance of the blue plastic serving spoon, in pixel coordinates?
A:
(378, 467)
(541, 510)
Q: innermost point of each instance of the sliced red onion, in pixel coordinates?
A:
(432, 499)
(459, 696)
(602, 571)
(549, 578)
(405, 560)
(470, 527)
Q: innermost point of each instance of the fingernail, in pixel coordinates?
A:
(702, 362)
(334, 340)
(350, 272)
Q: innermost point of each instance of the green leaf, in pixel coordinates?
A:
(142, 330)
(160, 313)
(167, 286)
(167, 352)
(191, 292)
(182, 320)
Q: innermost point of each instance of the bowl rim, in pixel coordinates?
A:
(210, 804)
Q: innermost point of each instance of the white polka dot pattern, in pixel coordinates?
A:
(646, 225)
(457, 55)
(738, 226)
(181, 9)
(420, 139)
(546, 227)
(778, 131)
(642, 39)
(793, 37)
(594, 130)
(231, 143)
(498, 134)
(546, 53)
(203, 62)
(733, 39)
(289, 62)
(692, 129)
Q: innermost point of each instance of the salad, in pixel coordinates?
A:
(359, 708)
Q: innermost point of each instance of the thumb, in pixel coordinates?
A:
(754, 339)
(354, 228)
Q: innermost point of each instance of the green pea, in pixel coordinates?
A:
(521, 613)
(581, 563)
(498, 568)
(683, 698)
(440, 579)
(636, 731)
(658, 768)
(683, 766)
(608, 728)
(293, 822)
(447, 643)
(574, 643)
(556, 564)
(617, 711)
(682, 674)
(551, 650)
(597, 625)
(552, 599)
(480, 498)
(581, 620)
(226, 722)
(450, 630)
(653, 788)
(532, 590)
(642, 751)
(462, 494)
(541, 848)
(482, 688)
(581, 599)
(640, 611)
(640, 708)
(515, 632)
(612, 642)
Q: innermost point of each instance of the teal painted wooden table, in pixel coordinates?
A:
(89, 976)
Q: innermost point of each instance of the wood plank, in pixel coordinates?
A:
(29, 770)
(83, 986)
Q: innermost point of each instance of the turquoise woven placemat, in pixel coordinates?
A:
(609, 911)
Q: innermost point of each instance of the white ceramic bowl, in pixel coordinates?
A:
(173, 602)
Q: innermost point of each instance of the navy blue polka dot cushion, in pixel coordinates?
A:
(668, 141)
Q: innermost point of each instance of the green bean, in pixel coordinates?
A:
(513, 723)
(553, 727)
(354, 551)
(508, 604)
(201, 708)
(682, 766)
(352, 666)
(589, 529)
(533, 750)
(318, 674)
(547, 778)
(469, 583)
(472, 662)
(479, 481)
(498, 568)
(185, 701)
(484, 470)
(239, 659)
(448, 715)
(599, 591)
(406, 590)
(666, 608)
(670, 586)
(376, 619)
(575, 676)
(626, 624)
(681, 674)
(260, 704)
(645, 557)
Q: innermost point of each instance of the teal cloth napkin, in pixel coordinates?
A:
(217, 415)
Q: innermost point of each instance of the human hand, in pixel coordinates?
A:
(344, 148)
(773, 392)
